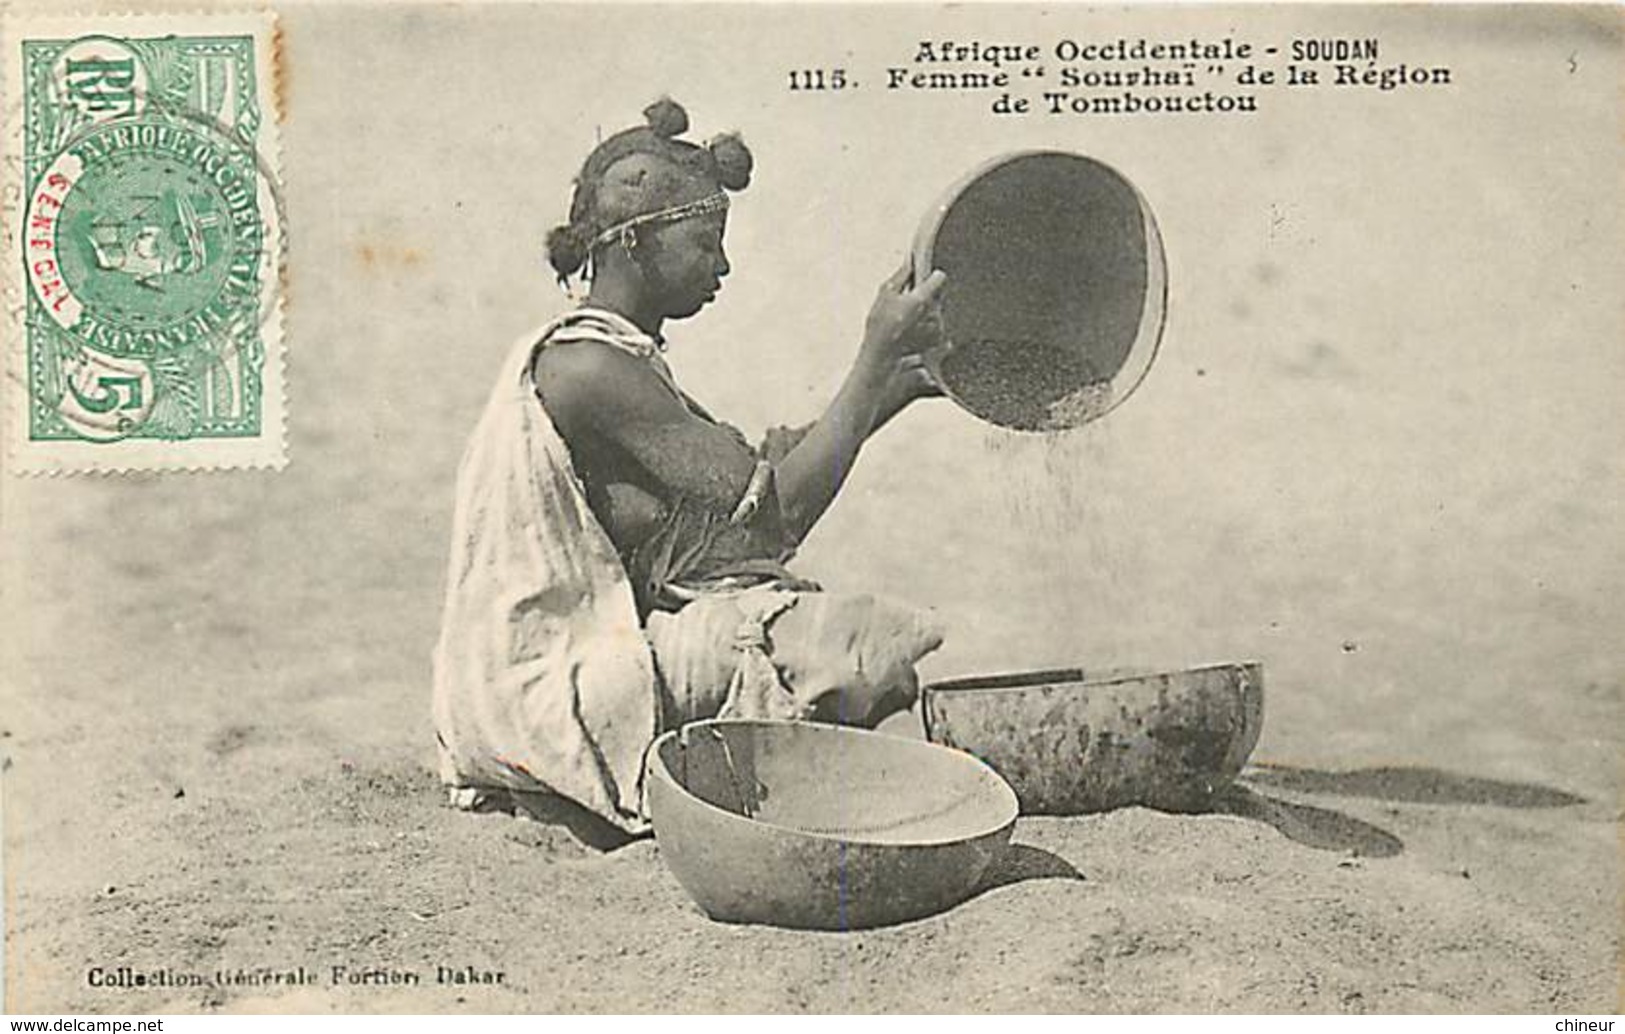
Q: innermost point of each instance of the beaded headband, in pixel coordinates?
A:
(624, 231)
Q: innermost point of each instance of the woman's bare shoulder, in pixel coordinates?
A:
(592, 377)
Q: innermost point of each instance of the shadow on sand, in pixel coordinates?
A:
(1308, 825)
(1018, 863)
(1305, 824)
(1411, 785)
(1321, 828)
(560, 813)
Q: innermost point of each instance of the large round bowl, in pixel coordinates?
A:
(1057, 289)
(1070, 744)
(822, 827)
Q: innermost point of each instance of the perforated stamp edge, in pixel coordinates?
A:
(266, 449)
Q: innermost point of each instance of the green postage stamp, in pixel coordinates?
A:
(142, 202)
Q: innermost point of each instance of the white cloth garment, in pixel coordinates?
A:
(543, 680)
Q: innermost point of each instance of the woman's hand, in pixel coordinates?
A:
(910, 381)
(904, 320)
(889, 372)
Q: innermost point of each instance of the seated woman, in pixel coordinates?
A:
(618, 561)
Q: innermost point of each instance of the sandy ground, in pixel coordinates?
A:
(1379, 455)
(218, 757)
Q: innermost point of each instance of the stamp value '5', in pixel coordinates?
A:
(142, 200)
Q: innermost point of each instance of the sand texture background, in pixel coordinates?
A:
(1380, 451)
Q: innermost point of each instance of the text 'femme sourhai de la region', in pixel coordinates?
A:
(1224, 75)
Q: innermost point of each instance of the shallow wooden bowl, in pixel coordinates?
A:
(1071, 744)
(823, 827)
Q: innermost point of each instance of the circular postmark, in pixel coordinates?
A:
(152, 233)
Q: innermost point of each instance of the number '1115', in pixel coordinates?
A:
(820, 79)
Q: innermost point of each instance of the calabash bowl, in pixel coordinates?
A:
(1070, 744)
(816, 826)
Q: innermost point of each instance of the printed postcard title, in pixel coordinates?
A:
(1137, 75)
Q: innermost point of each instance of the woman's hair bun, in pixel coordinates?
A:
(667, 118)
(733, 160)
(567, 249)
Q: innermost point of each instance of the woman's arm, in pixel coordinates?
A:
(911, 380)
(897, 327)
(594, 391)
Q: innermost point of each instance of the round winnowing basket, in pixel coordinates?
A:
(1056, 293)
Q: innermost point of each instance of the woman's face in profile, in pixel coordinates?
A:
(685, 262)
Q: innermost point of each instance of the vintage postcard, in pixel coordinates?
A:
(863, 507)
